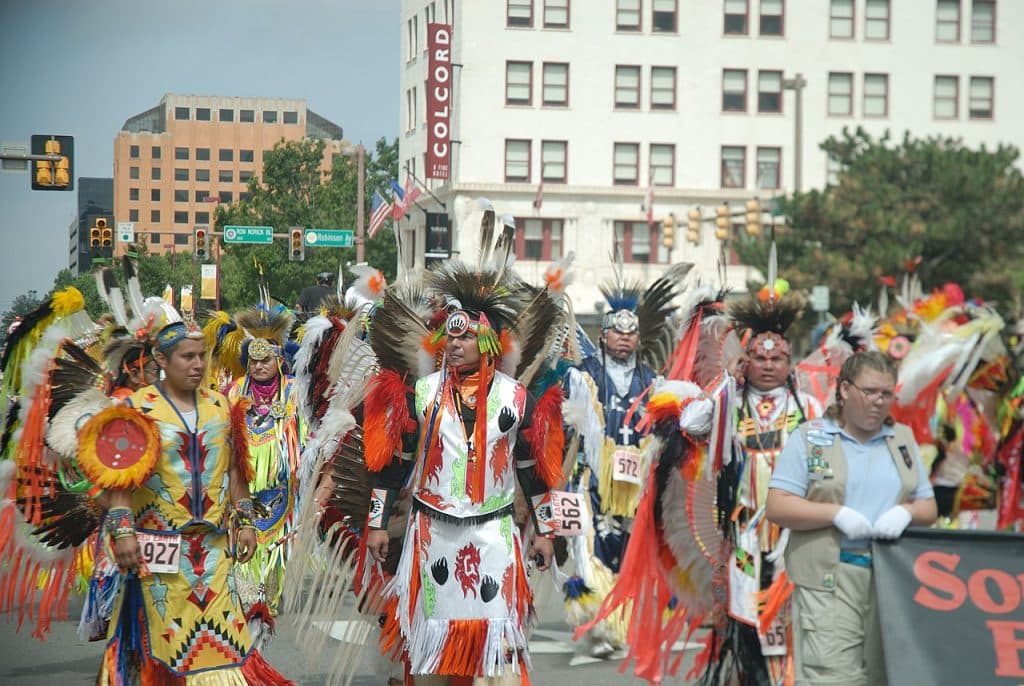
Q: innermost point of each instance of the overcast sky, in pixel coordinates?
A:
(84, 67)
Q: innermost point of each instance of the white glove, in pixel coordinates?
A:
(852, 523)
(892, 522)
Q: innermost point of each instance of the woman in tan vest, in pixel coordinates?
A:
(842, 480)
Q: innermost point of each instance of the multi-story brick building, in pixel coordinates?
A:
(175, 162)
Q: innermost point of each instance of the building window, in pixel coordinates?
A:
(520, 13)
(244, 196)
(983, 21)
(663, 164)
(269, 116)
(181, 238)
(833, 168)
(876, 20)
(133, 152)
(768, 168)
(181, 113)
(663, 88)
(245, 155)
(412, 29)
(627, 87)
(410, 110)
(627, 15)
(539, 239)
(181, 153)
(181, 217)
(154, 216)
(840, 19)
(133, 193)
(556, 14)
(556, 83)
(518, 83)
(154, 195)
(247, 116)
(517, 160)
(155, 152)
(626, 164)
(769, 91)
(640, 242)
(202, 154)
(947, 97)
(947, 21)
(663, 16)
(225, 176)
(181, 174)
(202, 195)
(290, 117)
(202, 114)
(553, 161)
(772, 13)
(202, 174)
(154, 237)
(981, 96)
(133, 172)
(734, 163)
(202, 217)
(840, 94)
(734, 90)
(133, 215)
(226, 155)
(226, 115)
(876, 95)
(154, 173)
(226, 196)
(180, 196)
(244, 176)
(735, 17)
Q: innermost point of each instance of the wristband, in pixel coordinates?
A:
(119, 522)
(244, 514)
(381, 500)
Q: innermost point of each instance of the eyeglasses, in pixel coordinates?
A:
(873, 394)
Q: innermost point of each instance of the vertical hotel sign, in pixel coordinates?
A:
(439, 100)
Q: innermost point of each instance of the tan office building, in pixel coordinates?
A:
(175, 162)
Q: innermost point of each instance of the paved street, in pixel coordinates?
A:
(68, 661)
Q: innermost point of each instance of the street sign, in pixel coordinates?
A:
(819, 298)
(126, 232)
(330, 238)
(249, 234)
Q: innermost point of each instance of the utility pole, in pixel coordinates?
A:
(797, 86)
(360, 209)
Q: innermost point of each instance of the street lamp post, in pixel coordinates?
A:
(796, 85)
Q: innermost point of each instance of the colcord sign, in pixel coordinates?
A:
(952, 607)
(439, 100)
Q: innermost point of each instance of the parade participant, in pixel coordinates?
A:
(274, 437)
(138, 368)
(459, 605)
(842, 480)
(312, 297)
(769, 408)
(198, 483)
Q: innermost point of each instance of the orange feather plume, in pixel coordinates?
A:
(546, 437)
(386, 418)
(240, 440)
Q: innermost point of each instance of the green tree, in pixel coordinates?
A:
(960, 210)
(22, 305)
(292, 191)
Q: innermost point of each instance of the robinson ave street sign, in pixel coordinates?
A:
(330, 238)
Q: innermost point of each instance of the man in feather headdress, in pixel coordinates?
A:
(769, 408)
(459, 605)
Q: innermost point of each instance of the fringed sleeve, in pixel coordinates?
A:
(546, 436)
(240, 440)
(385, 419)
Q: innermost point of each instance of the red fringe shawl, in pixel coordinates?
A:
(546, 436)
(386, 418)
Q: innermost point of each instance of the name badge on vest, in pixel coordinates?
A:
(905, 454)
(817, 467)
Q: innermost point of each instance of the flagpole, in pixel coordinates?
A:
(360, 209)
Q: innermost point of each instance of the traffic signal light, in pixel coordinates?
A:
(200, 244)
(668, 231)
(58, 175)
(753, 217)
(693, 222)
(106, 233)
(94, 238)
(722, 222)
(297, 245)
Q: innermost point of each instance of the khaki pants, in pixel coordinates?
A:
(836, 634)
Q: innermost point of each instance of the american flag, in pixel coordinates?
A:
(404, 197)
(380, 209)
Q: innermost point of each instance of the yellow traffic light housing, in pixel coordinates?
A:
(693, 222)
(57, 175)
(722, 222)
(106, 233)
(297, 245)
(94, 238)
(200, 244)
(753, 217)
(668, 231)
